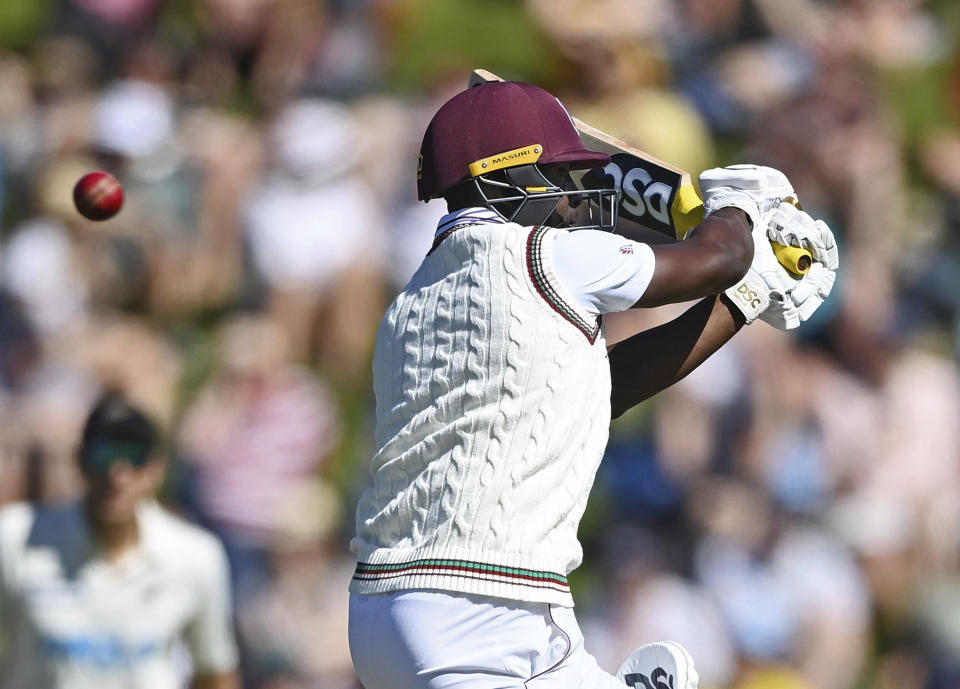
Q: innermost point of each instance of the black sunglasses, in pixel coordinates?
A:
(99, 455)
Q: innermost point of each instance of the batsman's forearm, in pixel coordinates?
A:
(716, 255)
(651, 361)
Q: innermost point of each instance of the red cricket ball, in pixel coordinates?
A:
(98, 195)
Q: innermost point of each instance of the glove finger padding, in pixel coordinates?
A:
(825, 285)
(791, 226)
(819, 281)
(782, 313)
(807, 308)
(809, 285)
(830, 255)
(812, 290)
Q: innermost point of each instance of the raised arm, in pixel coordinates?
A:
(716, 254)
(644, 363)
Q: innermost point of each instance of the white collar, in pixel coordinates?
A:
(467, 216)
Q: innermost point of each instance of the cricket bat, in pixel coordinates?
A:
(653, 194)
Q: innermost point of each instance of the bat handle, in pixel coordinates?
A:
(798, 261)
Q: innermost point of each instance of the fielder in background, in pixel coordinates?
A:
(104, 593)
(494, 386)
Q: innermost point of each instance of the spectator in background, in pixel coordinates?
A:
(40, 426)
(315, 233)
(103, 592)
(251, 441)
(293, 629)
(111, 29)
(19, 345)
(183, 169)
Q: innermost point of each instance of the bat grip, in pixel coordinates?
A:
(795, 259)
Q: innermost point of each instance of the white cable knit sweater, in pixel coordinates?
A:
(492, 415)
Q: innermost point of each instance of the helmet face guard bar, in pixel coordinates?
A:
(528, 197)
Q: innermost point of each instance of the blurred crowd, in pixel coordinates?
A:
(790, 512)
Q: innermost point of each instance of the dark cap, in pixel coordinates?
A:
(495, 118)
(116, 427)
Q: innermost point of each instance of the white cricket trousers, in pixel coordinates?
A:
(437, 640)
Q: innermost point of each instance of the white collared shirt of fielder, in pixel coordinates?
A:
(72, 620)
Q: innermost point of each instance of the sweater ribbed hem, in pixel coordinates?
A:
(385, 570)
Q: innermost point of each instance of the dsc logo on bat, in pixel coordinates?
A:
(646, 192)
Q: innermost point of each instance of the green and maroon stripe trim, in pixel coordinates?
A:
(538, 276)
(443, 235)
(466, 569)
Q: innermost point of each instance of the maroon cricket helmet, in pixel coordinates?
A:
(495, 118)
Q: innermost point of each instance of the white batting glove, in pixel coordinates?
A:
(764, 291)
(754, 189)
(664, 664)
(791, 226)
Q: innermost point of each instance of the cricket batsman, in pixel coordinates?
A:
(496, 375)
